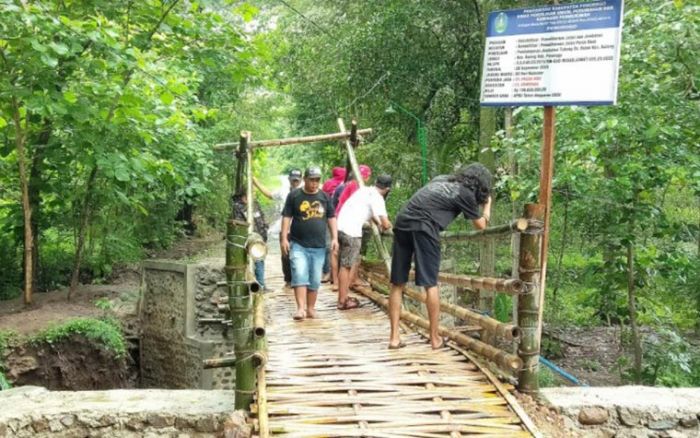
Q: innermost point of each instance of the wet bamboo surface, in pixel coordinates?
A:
(333, 376)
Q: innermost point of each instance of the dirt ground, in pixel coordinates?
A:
(590, 354)
(548, 421)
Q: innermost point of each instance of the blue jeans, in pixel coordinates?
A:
(307, 264)
(260, 272)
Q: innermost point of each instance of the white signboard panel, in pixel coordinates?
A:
(553, 55)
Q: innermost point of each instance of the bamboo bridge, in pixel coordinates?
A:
(333, 375)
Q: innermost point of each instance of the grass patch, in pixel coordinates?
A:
(6, 338)
(106, 332)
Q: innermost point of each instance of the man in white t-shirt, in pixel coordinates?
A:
(364, 205)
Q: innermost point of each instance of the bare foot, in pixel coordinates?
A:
(395, 344)
(334, 288)
(438, 343)
(311, 313)
(300, 315)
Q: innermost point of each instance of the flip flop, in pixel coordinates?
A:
(350, 303)
(401, 344)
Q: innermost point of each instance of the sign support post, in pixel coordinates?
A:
(545, 199)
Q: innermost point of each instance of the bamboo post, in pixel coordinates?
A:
(240, 305)
(259, 315)
(381, 249)
(493, 326)
(529, 269)
(501, 358)
(245, 145)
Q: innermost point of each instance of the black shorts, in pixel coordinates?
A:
(420, 247)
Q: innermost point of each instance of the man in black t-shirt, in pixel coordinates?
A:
(417, 236)
(307, 212)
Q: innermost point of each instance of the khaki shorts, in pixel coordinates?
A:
(349, 249)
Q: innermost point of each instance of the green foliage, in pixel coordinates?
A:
(105, 332)
(669, 360)
(118, 107)
(546, 378)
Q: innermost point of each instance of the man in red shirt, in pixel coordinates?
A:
(352, 186)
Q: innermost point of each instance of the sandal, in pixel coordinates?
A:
(401, 344)
(350, 303)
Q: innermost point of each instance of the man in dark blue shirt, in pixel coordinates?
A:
(307, 212)
(417, 236)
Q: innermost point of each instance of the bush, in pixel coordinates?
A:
(107, 332)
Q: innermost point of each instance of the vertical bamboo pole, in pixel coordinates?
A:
(545, 199)
(529, 269)
(356, 170)
(240, 306)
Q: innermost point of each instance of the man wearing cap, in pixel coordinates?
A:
(417, 237)
(307, 212)
(365, 204)
(294, 183)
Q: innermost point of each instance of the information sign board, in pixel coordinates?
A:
(553, 55)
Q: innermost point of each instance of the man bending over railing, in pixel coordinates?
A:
(417, 234)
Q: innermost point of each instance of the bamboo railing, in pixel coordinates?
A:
(523, 286)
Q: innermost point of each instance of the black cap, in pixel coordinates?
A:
(312, 172)
(383, 181)
(295, 174)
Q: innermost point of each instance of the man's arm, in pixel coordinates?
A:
(268, 194)
(284, 242)
(333, 227)
(385, 223)
(485, 218)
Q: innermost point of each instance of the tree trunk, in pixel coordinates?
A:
(632, 307)
(34, 188)
(20, 139)
(85, 212)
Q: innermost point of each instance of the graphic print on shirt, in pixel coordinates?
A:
(312, 210)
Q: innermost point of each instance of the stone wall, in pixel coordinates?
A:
(629, 411)
(37, 413)
(173, 344)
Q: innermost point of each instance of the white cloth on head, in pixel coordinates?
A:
(362, 206)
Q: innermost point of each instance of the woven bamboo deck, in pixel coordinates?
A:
(333, 376)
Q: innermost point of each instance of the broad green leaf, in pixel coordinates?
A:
(3, 122)
(59, 48)
(70, 96)
(167, 98)
(49, 60)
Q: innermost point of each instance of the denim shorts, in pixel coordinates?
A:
(307, 264)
